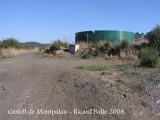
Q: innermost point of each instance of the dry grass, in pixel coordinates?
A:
(83, 45)
(122, 55)
(130, 56)
(10, 52)
(101, 43)
(141, 42)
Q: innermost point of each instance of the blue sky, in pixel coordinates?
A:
(47, 20)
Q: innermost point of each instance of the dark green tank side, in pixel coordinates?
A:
(84, 36)
(115, 37)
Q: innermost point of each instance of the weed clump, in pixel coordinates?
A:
(88, 54)
(91, 53)
(107, 45)
(93, 68)
(124, 44)
(97, 52)
(121, 81)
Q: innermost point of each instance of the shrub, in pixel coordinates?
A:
(55, 46)
(61, 43)
(124, 44)
(115, 50)
(106, 47)
(47, 51)
(149, 57)
(92, 52)
(10, 42)
(107, 44)
(89, 54)
(154, 36)
(97, 52)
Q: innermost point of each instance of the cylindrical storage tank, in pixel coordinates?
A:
(85, 36)
(114, 37)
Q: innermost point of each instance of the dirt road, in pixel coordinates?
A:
(32, 88)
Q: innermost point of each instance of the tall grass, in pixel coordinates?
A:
(11, 52)
(139, 42)
(83, 45)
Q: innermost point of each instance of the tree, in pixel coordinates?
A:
(154, 36)
(10, 42)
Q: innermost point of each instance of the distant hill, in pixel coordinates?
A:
(34, 44)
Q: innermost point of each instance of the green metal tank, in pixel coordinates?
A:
(114, 37)
(85, 36)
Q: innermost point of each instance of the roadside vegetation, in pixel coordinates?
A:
(149, 57)
(107, 50)
(56, 45)
(147, 51)
(10, 47)
(144, 53)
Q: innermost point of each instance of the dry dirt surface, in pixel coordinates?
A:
(36, 88)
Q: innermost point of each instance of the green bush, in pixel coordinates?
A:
(97, 52)
(10, 42)
(55, 46)
(149, 57)
(88, 54)
(154, 36)
(124, 44)
(92, 53)
(61, 43)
